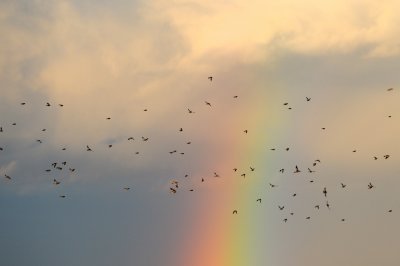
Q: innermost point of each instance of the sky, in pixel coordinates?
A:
(312, 84)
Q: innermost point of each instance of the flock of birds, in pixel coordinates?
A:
(174, 185)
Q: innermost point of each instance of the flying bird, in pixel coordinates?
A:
(7, 176)
(281, 207)
(343, 185)
(88, 148)
(210, 78)
(370, 186)
(259, 200)
(308, 99)
(325, 192)
(234, 212)
(190, 111)
(297, 170)
(209, 104)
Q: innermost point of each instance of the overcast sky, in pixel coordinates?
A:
(110, 71)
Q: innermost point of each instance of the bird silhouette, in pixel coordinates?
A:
(281, 207)
(285, 220)
(235, 169)
(190, 111)
(56, 182)
(370, 186)
(310, 171)
(343, 185)
(88, 148)
(48, 104)
(172, 190)
(7, 177)
(127, 188)
(130, 138)
(235, 96)
(245, 131)
(259, 200)
(63, 196)
(316, 207)
(234, 212)
(386, 156)
(325, 192)
(210, 78)
(297, 170)
(308, 99)
(244, 175)
(252, 169)
(209, 104)
(327, 205)
(272, 185)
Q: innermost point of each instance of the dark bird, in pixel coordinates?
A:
(1, 129)
(127, 188)
(130, 138)
(252, 169)
(43, 129)
(370, 186)
(64, 163)
(72, 169)
(108, 118)
(145, 139)
(272, 185)
(191, 190)
(61, 105)
(390, 89)
(323, 128)
(56, 182)
(1, 148)
(272, 149)
(210, 78)
(386, 156)
(281, 207)
(282, 170)
(287, 149)
(7, 176)
(63, 149)
(63, 196)
(285, 220)
(234, 212)
(310, 171)
(145, 110)
(235, 169)
(245, 131)
(375, 158)
(14, 124)
(285, 103)
(189, 142)
(23, 103)
(343, 220)
(59, 168)
(190, 111)
(38, 140)
(171, 152)
(202, 180)
(327, 205)
(172, 190)
(308, 217)
(294, 195)
(215, 174)
(317, 207)
(354, 150)
(235, 96)
(343, 185)
(325, 192)
(390, 210)
(88, 148)
(110, 145)
(244, 175)
(259, 200)
(54, 165)
(209, 104)
(137, 152)
(48, 170)
(308, 99)
(48, 104)
(181, 129)
(297, 170)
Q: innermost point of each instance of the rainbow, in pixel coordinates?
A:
(219, 238)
